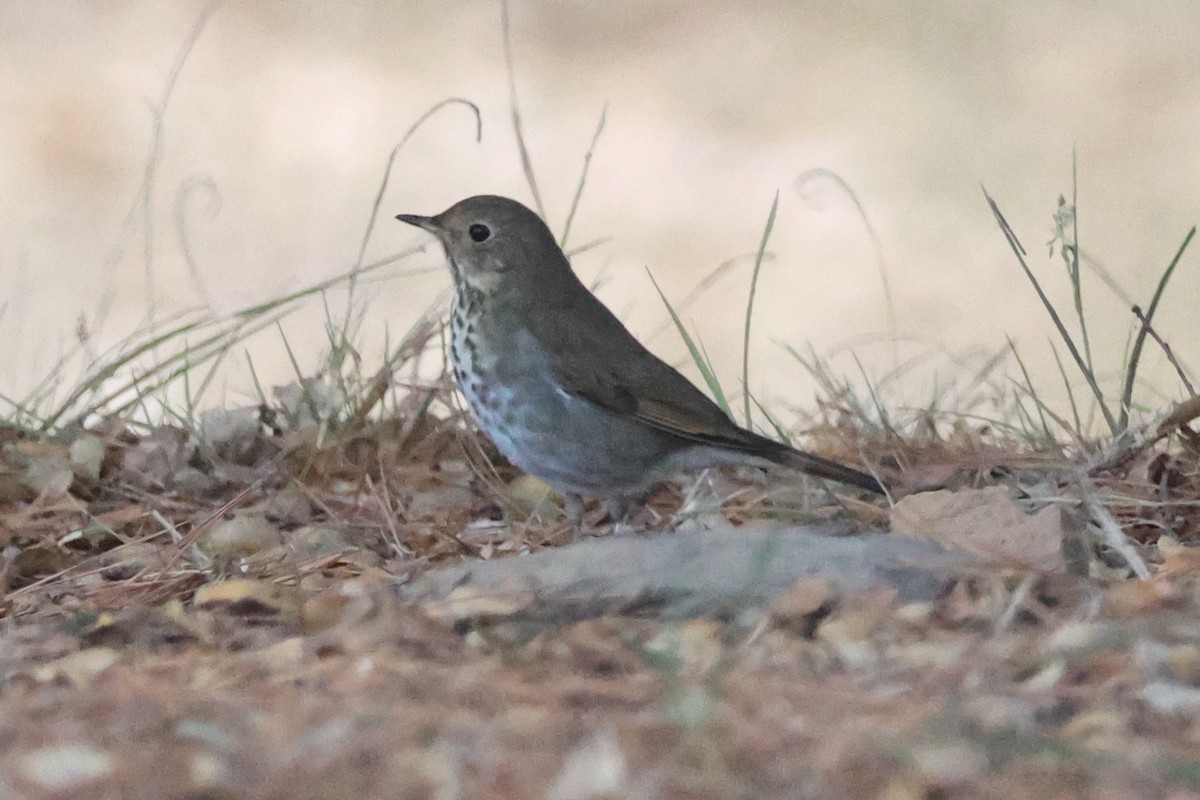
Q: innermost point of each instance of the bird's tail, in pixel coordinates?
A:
(801, 461)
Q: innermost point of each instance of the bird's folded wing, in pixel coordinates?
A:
(605, 365)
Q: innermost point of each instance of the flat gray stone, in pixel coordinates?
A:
(716, 573)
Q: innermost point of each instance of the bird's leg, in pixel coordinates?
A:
(617, 509)
(573, 508)
(614, 509)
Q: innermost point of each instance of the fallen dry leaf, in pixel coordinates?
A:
(78, 668)
(250, 595)
(987, 523)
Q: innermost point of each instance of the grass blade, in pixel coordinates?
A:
(758, 258)
(1135, 355)
(1029, 388)
(1062, 370)
(349, 328)
(701, 362)
(587, 163)
(1073, 265)
(518, 129)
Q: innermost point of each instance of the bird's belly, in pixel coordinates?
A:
(565, 440)
(573, 445)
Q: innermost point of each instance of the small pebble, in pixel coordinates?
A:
(65, 766)
(244, 535)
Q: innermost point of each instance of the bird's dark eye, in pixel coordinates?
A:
(478, 233)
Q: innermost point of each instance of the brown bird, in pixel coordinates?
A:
(561, 387)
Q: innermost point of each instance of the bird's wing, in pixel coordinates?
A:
(604, 364)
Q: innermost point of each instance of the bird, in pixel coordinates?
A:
(562, 388)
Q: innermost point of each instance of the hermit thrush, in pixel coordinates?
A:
(558, 383)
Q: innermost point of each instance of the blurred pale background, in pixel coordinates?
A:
(290, 108)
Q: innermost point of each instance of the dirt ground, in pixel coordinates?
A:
(369, 617)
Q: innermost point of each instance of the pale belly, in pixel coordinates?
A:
(563, 439)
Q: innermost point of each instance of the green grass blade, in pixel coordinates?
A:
(1029, 387)
(758, 258)
(1073, 264)
(1135, 355)
(1062, 371)
(701, 362)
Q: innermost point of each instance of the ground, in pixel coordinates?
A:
(380, 613)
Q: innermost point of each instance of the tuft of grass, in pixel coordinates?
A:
(122, 379)
(1080, 362)
(119, 379)
(1066, 239)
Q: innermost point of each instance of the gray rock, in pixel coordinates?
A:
(719, 572)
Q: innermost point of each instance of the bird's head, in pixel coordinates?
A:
(493, 242)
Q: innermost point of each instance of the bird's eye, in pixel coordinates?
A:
(478, 233)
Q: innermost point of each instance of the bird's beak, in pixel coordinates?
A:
(424, 223)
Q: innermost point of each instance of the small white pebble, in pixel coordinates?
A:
(1166, 697)
(66, 766)
(595, 768)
